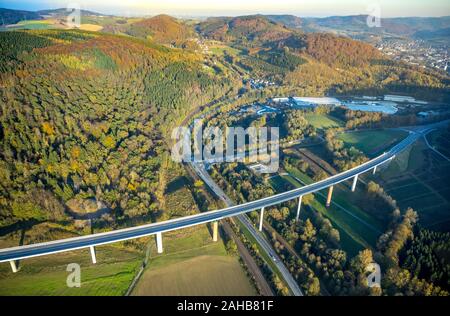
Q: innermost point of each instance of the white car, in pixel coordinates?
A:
(273, 258)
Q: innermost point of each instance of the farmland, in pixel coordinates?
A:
(193, 265)
(111, 276)
(203, 275)
(373, 142)
(321, 121)
(221, 50)
(440, 141)
(34, 25)
(419, 179)
(88, 23)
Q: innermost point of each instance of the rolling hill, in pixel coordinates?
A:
(290, 21)
(260, 32)
(433, 35)
(162, 29)
(249, 30)
(8, 16)
(63, 12)
(356, 26)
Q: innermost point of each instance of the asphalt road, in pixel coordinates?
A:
(293, 286)
(287, 276)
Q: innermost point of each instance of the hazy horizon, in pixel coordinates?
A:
(203, 8)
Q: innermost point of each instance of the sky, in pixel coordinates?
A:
(305, 8)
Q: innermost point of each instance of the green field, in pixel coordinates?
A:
(192, 264)
(112, 275)
(198, 276)
(278, 183)
(33, 25)
(323, 121)
(358, 229)
(440, 142)
(220, 50)
(105, 20)
(419, 178)
(373, 142)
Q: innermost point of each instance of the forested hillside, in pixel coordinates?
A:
(86, 115)
(162, 29)
(8, 16)
(246, 30)
(357, 25)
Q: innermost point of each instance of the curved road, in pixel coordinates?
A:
(262, 242)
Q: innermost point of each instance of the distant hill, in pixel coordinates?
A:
(349, 23)
(433, 35)
(356, 26)
(250, 31)
(254, 28)
(409, 26)
(8, 16)
(291, 21)
(336, 51)
(64, 12)
(215, 28)
(318, 62)
(162, 29)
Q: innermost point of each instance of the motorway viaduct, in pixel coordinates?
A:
(11, 255)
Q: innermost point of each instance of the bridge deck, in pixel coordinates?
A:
(69, 244)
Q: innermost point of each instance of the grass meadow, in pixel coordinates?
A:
(374, 142)
(46, 276)
(192, 264)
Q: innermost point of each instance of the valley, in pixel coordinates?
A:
(86, 135)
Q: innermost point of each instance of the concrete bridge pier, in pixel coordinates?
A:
(94, 258)
(355, 181)
(215, 231)
(330, 195)
(375, 169)
(159, 245)
(13, 266)
(261, 220)
(299, 206)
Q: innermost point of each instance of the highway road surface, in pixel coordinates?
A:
(292, 284)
